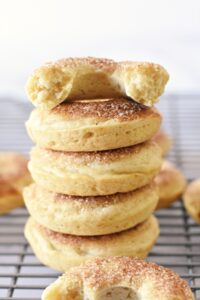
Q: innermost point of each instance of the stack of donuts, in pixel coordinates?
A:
(94, 161)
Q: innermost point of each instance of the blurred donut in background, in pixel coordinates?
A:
(192, 200)
(171, 184)
(164, 141)
(14, 176)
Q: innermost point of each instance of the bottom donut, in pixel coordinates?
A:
(119, 278)
(62, 251)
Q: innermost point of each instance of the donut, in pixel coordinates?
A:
(14, 176)
(62, 251)
(164, 142)
(118, 278)
(191, 199)
(95, 78)
(95, 173)
(89, 216)
(93, 126)
(171, 184)
(13, 170)
(10, 198)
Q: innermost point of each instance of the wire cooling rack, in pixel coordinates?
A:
(22, 276)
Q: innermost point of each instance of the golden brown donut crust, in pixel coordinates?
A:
(89, 216)
(93, 125)
(95, 78)
(63, 251)
(95, 173)
(171, 184)
(192, 200)
(108, 278)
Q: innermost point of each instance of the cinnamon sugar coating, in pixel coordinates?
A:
(95, 78)
(146, 281)
(121, 109)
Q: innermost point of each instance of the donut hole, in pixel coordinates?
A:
(91, 85)
(118, 293)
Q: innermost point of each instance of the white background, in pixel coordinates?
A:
(35, 31)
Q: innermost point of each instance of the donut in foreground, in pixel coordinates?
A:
(119, 278)
(95, 173)
(14, 176)
(90, 215)
(62, 251)
(96, 125)
(171, 184)
(95, 78)
(192, 200)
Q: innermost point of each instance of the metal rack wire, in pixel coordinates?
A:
(23, 277)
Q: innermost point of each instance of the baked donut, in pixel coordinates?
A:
(95, 173)
(192, 200)
(90, 215)
(93, 125)
(62, 251)
(171, 184)
(119, 278)
(10, 198)
(14, 176)
(95, 78)
(13, 170)
(164, 141)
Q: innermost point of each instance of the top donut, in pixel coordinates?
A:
(95, 78)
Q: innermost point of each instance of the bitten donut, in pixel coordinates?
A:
(171, 184)
(119, 278)
(192, 200)
(61, 251)
(90, 215)
(164, 142)
(93, 126)
(95, 173)
(95, 78)
(14, 176)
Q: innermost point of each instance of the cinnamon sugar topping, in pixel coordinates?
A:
(99, 200)
(103, 109)
(105, 272)
(100, 63)
(63, 238)
(100, 156)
